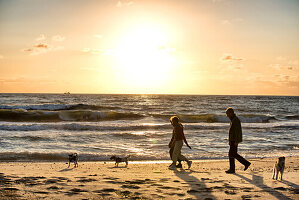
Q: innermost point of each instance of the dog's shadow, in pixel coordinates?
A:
(66, 170)
(116, 167)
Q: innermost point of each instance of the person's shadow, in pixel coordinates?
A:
(197, 187)
(258, 181)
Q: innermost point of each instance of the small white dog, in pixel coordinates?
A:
(279, 167)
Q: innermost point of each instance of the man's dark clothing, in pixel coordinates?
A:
(233, 154)
(235, 136)
(235, 130)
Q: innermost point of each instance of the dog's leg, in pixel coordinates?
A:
(277, 171)
(69, 164)
(274, 171)
(126, 163)
(281, 172)
(116, 164)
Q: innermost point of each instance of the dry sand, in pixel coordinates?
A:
(100, 180)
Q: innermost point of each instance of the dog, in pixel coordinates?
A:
(73, 158)
(279, 167)
(119, 160)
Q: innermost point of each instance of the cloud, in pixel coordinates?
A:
(58, 38)
(40, 45)
(96, 51)
(121, 4)
(230, 58)
(41, 37)
(28, 50)
(1, 57)
(231, 63)
(43, 47)
(283, 67)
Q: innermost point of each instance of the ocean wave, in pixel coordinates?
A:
(100, 127)
(214, 118)
(22, 115)
(292, 117)
(56, 107)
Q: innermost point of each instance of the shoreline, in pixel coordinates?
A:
(145, 161)
(147, 180)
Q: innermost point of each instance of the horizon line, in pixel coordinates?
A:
(149, 94)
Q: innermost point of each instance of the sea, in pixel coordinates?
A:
(49, 127)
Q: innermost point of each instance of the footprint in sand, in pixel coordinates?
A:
(29, 181)
(53, 188)
(230, 192)
(192, 191)
(41, 192)
(108, 190)
(246, 197)
(86, 180)
(75, 191)
(10, 189)
(280, 188)
(169, 188)
(130, 186)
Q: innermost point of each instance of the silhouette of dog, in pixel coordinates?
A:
(73, 158)
(119, 160)
(279, 168)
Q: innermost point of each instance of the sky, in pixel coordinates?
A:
(217, 47)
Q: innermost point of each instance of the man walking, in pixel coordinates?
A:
(235, 137)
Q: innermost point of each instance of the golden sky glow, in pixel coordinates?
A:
(163, 47)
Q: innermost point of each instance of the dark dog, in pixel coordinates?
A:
(119, 160)
(279, 167)
(73, 158)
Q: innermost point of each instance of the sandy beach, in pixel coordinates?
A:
(147, 180)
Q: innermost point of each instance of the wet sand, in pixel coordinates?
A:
(147, 180)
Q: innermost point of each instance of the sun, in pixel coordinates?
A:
(144, 58)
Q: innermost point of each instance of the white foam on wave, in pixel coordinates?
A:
(38, 107)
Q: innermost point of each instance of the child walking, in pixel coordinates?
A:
(176, 142)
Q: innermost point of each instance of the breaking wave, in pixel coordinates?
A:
(212, 118)
(22, 115)
(56, 107)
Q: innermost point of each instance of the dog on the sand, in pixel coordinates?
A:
(119, 160)
(73, 158)
(279, 168)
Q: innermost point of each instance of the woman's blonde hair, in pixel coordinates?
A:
(174, 119)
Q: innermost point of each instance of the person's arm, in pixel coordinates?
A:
(185, 140)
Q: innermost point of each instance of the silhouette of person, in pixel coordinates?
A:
(234, 138)
(176, 143)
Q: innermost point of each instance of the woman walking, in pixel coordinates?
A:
(176, 142)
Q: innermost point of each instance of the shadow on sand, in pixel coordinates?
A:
(258, 181)
(197, 187)
(115, 167)
(66, 169)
